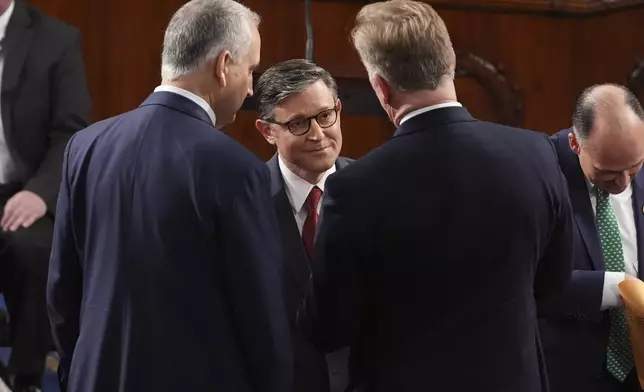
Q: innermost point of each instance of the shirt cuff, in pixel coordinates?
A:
(611, 297)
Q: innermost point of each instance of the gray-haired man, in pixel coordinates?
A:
(299, 113)
(163, 274)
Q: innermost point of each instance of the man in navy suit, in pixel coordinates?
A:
(164, 272)
(433, 247)
(299, 114)
(583, 333)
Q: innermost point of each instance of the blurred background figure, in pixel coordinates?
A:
(44, 99)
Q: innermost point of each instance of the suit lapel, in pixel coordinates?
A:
(15, 46)
(580, 200)
(296, 260)
(638, 213)
(585, 219)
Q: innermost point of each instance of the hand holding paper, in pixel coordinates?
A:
(632, 290)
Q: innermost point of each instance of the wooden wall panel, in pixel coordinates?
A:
(540, 54)
(545, 51)
(122, 46)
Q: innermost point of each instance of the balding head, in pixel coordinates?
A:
(608, 135)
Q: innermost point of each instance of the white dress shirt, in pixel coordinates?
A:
(7, 165)
(622, 205)
(427, 109)
(193, 97)
(298, 189)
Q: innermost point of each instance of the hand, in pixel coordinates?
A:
(22, 210)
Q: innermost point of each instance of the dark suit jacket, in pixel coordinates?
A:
(45, 98)
(312, 373)
(574, 329)
(431, 251)
(164, 273)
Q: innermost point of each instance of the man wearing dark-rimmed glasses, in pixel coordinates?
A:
(301, 125)
(299, 114)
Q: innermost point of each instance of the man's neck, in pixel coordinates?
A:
(408, 102)
(190, 84)
(312, 178)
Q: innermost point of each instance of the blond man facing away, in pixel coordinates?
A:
(434, 248)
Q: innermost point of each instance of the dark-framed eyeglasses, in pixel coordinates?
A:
(300, 126)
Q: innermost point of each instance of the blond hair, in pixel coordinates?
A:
(406, 43)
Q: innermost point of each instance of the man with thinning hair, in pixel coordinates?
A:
(584, 333)
(299, 114)
(164, 272)
(433, 247)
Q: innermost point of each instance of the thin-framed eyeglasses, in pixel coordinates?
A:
(301, 126)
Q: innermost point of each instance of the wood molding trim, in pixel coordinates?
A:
(569, 7)
(506, 97)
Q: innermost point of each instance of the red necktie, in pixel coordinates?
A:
(308, 230)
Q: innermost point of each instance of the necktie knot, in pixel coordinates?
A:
(602, 194)
(313, 199)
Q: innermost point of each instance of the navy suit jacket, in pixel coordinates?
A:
(431, 251)
(312, 372)
(573, 328)
(164, 273)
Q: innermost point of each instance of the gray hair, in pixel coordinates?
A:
(200, 30)
(288, 78)
(406, 43)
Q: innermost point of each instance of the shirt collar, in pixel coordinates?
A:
(427, 109)
(298, 189)
(193, 97)
(4, 20)
(593, 190)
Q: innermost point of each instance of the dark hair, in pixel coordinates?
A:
(288, 78)
(583, 117)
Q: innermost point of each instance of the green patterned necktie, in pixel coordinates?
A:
(619, 359)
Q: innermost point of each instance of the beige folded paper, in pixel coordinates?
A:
(632, 291)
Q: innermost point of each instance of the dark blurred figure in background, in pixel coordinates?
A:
(45, 100)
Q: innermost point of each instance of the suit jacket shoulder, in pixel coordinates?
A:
(560, 141)
(343, 162)
(431, 134)
(567, 159)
